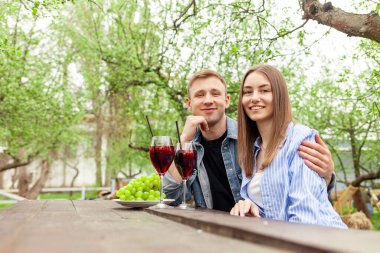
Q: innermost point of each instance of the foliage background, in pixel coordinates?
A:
(112, 62)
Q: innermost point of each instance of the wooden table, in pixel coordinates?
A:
(104, 226)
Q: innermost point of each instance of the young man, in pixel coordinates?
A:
(216, 182)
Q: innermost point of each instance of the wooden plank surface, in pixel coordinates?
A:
(277, 234)
(103, 226)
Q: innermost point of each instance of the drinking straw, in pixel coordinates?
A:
(179, 138)
(150, 128)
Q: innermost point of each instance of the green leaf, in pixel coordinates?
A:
(34, 11)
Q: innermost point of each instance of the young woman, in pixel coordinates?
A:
(276, 182)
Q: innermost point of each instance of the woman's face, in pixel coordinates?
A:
(257, 97)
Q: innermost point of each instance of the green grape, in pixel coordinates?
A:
(163, 195)
(123, 197)
(139, 194)
(157, 194)
(156, 184)
(119, 193)
(145, 195)
(127, 193)
(151, 197)
(143, 178)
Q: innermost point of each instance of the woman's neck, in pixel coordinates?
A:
(266, 133)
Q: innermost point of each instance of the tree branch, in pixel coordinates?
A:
(138, 147)
(360, 25)
(289, 32)
(15, 164)
(369, 176)
(183, 13)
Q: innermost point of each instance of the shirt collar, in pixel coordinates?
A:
(289, 128)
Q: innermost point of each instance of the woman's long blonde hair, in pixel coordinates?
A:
(247, 129)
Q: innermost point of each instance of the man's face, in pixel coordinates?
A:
(207, 98)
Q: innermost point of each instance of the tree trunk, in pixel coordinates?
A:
(40, 183)
(98, 144)
(1, 180)
(23, 182)
(354, 150)
(74, 178)
(4, 159)
(64, 170)
(360, 204)
(361, 25)
(110, 130)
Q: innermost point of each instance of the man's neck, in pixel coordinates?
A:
(216, 130)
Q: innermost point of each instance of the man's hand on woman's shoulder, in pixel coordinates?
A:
(318, 157)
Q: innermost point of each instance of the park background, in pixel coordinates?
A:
(78, 77)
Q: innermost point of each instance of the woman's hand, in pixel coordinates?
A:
(244, 208)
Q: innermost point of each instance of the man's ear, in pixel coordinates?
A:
(188, 103)
(227, 101)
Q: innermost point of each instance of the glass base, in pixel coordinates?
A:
(185, 207)
(160, 206)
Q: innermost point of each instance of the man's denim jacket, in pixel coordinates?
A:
(198, 183)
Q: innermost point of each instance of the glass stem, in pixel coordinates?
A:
(184, 192)
(161, 179)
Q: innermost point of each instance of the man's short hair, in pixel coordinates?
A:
(204, 73)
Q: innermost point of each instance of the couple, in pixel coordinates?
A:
(254, 167)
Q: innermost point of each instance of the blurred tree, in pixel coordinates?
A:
(37, 110)
(345, 112)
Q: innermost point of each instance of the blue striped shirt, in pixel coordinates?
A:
(289, 189)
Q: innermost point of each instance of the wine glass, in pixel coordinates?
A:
(185, 161)
(161, 152)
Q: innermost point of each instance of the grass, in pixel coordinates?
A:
(58, 195)
(4, 206)
(66, 195)
(376, 221)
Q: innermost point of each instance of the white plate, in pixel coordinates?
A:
(141, 204)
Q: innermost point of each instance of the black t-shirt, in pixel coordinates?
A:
(217, 176)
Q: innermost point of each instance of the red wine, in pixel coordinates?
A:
(185, 162)
(161, 157)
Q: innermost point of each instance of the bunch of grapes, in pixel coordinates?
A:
(142, 188)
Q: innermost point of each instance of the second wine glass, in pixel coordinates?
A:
(185, 161)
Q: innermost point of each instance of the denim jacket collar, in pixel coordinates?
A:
(231, 131)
